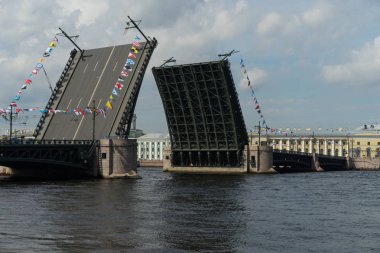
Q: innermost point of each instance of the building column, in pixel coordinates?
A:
(150, 151)
(281, 144)
(333, 147)
(318, 147)
(287, 144)
(303, 146)
(340, 153)
(311, 145)
(326, 145)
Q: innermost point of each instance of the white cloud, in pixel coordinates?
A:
(317, 16)
(257, 79)
(272, 23)
(362, 68)
(88, 11)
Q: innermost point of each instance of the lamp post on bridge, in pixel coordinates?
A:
(94, 111)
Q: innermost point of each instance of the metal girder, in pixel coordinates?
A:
(203, 113)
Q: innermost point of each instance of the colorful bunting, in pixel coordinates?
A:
(257, 106)
(38, 66)
(123, 74)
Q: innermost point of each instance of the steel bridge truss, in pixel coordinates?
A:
(203, 113)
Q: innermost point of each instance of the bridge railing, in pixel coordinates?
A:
(307, 154)
(45, 142)
(55, 91)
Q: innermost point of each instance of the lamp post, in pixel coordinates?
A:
(93, 120)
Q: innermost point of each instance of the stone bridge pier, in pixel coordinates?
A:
(117, 158)
(259, 159)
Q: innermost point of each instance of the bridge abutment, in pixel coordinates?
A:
(259, 159)
(117, 158)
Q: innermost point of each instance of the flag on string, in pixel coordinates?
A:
(13, 104)
(114, 92)
(17, 98)
(136, 44)
(137, 38)
(124, 73)
(109, 105)
(131, 55)
(120, 79)
(130, 61)
(119, 86)
(28, 81)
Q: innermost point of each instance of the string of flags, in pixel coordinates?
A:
(127, 68)
(257, 105)
(76, 111)
(38, 66)
(118, 86)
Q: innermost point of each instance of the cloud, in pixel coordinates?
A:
(271, 23)
(86, 11)
(363, 67)
(257, 77)
(275, 24)
(317, 16)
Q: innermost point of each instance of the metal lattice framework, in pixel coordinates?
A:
(203, 113)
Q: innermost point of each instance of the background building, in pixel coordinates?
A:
(151, 146)
(364, 142)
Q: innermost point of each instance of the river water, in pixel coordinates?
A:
(301, 212)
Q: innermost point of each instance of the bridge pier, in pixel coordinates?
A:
(117, 158)
(259, 159)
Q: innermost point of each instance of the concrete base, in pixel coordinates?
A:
(151, 163)
(364, 163)
(5, 171)
(259, 159)
(117, 158)
(206, 170)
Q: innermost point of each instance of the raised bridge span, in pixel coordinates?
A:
(89, 78)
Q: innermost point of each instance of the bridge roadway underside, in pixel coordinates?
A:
(48, 159)
(302, 162)
(92, 77)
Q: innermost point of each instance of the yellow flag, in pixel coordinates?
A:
(41, 59)
(111, 97)
(109, 105)
(53, 44)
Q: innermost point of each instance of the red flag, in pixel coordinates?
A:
(28, 81)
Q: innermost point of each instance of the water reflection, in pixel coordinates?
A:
(202, 213)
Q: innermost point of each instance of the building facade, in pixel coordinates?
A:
(363, 144)
(151, 146)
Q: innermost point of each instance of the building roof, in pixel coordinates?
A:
(153, 136)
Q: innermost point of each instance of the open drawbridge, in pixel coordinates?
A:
(89, 78)
(203, 113)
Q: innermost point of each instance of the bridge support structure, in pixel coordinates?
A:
(258, 159)
(117, 158)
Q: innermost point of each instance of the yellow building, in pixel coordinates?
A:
(364, 143)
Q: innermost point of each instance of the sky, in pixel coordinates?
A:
(313, 63)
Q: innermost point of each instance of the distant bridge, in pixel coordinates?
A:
(290, 161)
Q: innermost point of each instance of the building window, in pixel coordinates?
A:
(378, 152)
(378, 144)
(104, 155)
(368, 152)
(358, 143)
(357, 152)
(336, 152)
